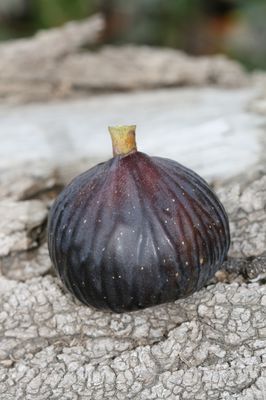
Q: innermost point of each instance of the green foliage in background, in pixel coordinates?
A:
(160, 22)
(179, 24)
(49, 13)
(183, 24)
(20, 18)
(249, 46)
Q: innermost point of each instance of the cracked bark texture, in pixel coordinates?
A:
(211, 345)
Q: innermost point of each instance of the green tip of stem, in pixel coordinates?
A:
(123, 139)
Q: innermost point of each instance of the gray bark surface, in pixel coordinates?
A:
(211, 345)
(54, 65)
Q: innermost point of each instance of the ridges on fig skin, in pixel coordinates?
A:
(137, 231)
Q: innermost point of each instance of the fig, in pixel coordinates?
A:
(136, 231)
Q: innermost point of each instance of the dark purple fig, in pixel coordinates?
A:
(136, 231)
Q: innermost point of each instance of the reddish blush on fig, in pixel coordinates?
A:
(136, 231)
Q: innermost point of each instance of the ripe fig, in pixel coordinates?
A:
(136, 231)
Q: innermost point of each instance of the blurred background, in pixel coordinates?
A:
(200, 27)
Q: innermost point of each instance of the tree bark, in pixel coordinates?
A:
(211, 345)
(58, 64)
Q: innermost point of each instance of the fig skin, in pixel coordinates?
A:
(137, 231)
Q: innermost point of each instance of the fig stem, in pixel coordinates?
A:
(123, 139)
